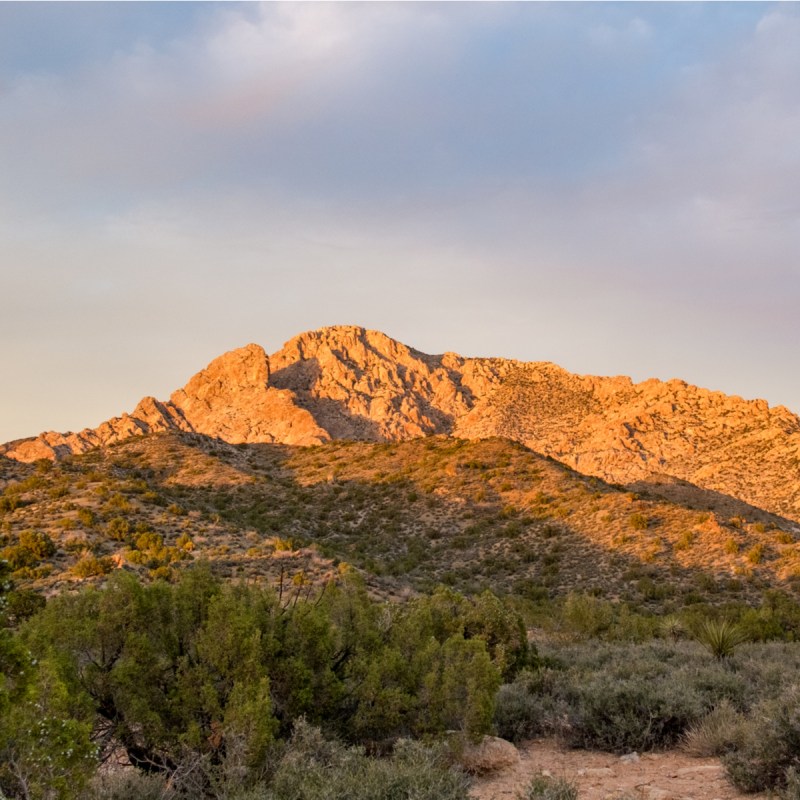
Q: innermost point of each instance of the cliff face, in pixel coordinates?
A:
(350, 383)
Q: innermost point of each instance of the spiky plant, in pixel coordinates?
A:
(672, 627)
(720, 637)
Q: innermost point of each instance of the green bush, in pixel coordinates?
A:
(31, 549)
(770, 751)
(685, 541)
(118, 529)
(45, 748)
(791, 791)
(755, 555)
(530, 706)
(621, 697)
(587, 615)
(90, 566)
(631, 713)
(87, 517)
(217, 671)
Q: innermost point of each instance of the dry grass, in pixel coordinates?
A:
(718, 733)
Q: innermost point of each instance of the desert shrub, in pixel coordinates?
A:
(21, 604)
(18, 557)
(9, 501)
(118, 529)
(768, 670)
(149, 541)
(218, 671)
(117, 502)
(632, 713)
(638, 521)
(618, 696)
(40, 544)
(530, 706)
(32, 547)
(791, 791)
(184, 542)
(314, 768)
(45, 747)
(719, 732)
(770, 749)
(685, 541)
(87, 517)
(587, 615)
(544, 787)
(90, 566)
(732, 546)
(755, 555)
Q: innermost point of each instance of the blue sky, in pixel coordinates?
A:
(612, 187)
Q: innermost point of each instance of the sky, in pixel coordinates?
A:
(609, 186)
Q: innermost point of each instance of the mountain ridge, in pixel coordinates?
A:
(348, 382)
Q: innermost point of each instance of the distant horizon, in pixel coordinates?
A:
(610, 187)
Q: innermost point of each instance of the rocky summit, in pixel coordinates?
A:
(346, 382)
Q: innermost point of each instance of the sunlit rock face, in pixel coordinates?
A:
(347, 382)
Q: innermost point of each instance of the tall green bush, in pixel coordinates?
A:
(216, 672)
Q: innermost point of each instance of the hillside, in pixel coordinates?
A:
(348, 383)
(410, 515)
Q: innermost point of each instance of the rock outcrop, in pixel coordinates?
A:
(350, 383)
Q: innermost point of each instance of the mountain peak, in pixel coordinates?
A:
(349, 382)
(245, 369)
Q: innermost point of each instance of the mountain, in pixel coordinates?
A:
(349, 383)
(408, 515)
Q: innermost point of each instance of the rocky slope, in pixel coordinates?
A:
(408, 515)
(350, 383)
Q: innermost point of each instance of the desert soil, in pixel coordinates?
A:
(670, 775)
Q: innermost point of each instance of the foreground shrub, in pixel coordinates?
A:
(314, 768)
(618, 697)
(530, 706)
(214, 674)
(45, 747)
(634, 713)
(770, 750)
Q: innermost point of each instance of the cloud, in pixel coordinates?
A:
(612, 37)
(601, 185)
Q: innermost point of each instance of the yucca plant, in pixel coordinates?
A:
(672, 627)
(720, 637)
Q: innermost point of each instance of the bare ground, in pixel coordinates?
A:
(670, 775)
